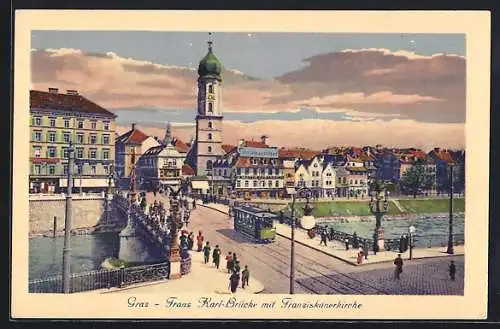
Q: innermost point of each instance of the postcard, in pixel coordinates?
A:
(250, 165)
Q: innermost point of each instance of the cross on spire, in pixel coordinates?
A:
(210, 41)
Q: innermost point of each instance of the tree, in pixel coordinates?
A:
(415, 179)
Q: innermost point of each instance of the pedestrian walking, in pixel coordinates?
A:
(236, 267)
(453, 270)
(346, 241)
(365, 249)
(399, 267)
(190, 240)
(355, 241)
(323, 237)
(183, 240)
(331, 233)
(245, 277)
(229, 261)
(216, 256)
(199, 241)
(206, 252)
(234, 261)
(234, 281)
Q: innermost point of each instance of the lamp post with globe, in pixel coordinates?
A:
(411, 231)
(307, 222)
(379, 206)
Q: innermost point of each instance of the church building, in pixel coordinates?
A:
(207, 145)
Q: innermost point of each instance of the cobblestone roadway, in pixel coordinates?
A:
(319, 273)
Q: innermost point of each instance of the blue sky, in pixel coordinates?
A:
(262, 55)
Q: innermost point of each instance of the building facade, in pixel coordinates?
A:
(58, 118)
(133, 141)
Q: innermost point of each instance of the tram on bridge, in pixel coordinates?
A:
(254, 222)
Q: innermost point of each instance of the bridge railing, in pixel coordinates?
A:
(102, 279)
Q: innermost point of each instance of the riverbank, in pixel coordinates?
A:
(387, 218)
(397, 209)
(109, 228)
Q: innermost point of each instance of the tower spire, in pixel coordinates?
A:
(210, 41)
(168, 134)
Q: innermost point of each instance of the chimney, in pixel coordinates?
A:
(71, 92)
(53, 90)
(133, 126)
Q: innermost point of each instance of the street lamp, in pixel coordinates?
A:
(411, 230)
(450, 224)
(174, 258)
(379, 206)
(307, 222)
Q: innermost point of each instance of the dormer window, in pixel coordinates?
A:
(211, 88)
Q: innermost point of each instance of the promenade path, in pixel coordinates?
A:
(318, 272)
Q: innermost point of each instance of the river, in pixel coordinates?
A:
(87, 253)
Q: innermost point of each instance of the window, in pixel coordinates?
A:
(65, 153)
(270, 171)
(246, 183)
(210, 107)
(105, 154)
(65, 169)
(255, 171)
(255, 183)
(52, 152)
(238, 183)
(93, 125)
(79, 138)
(38, 136)
(277, 183)
(38, 121)
(52, 122)
(106, 125)
(79, 169)
(66, 137)
(209, 136)
(66, 123)
(225, 172)
(106, 170)
(210, 88)
(209, 164)
(239, 171)
(37, 169)
(93, 139)
(52, 170)
(270, 183)
(209, 149)
(247, 171)
(93, 170)
(93, 153)
(36, 151)
(79, 153)
(210, 124)
(52, 136)
(105, 139)
(80, 124)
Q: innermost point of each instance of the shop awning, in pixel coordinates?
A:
(202, 185)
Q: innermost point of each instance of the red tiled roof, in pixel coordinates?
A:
(303, 154)
(243, 162)
(359, 169)
(180, 146)
(444, 155)
(256, 144)
(65, 102)
(356, 150)
(133, 136)
(187, 170)
(228, 148)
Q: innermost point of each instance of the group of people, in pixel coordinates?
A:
(398, 263)
(232, 263)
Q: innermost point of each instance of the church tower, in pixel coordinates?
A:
(208, 140)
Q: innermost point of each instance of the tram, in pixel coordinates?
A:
(254, 222)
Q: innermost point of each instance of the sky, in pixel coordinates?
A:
(400, 89)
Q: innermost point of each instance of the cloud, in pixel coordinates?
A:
(403, 133)
(378, 82)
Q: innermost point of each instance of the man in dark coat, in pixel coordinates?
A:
(355, 242)
(399, 267)
(216, 256)
(234, 281)
(453, 270)
(206, 252)
(323, 237)
(245, 277)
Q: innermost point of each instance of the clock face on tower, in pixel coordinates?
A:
(210, 97)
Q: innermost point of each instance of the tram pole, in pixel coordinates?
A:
(292, 248)
(67, 226)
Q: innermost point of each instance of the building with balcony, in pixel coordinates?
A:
(58, 118)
